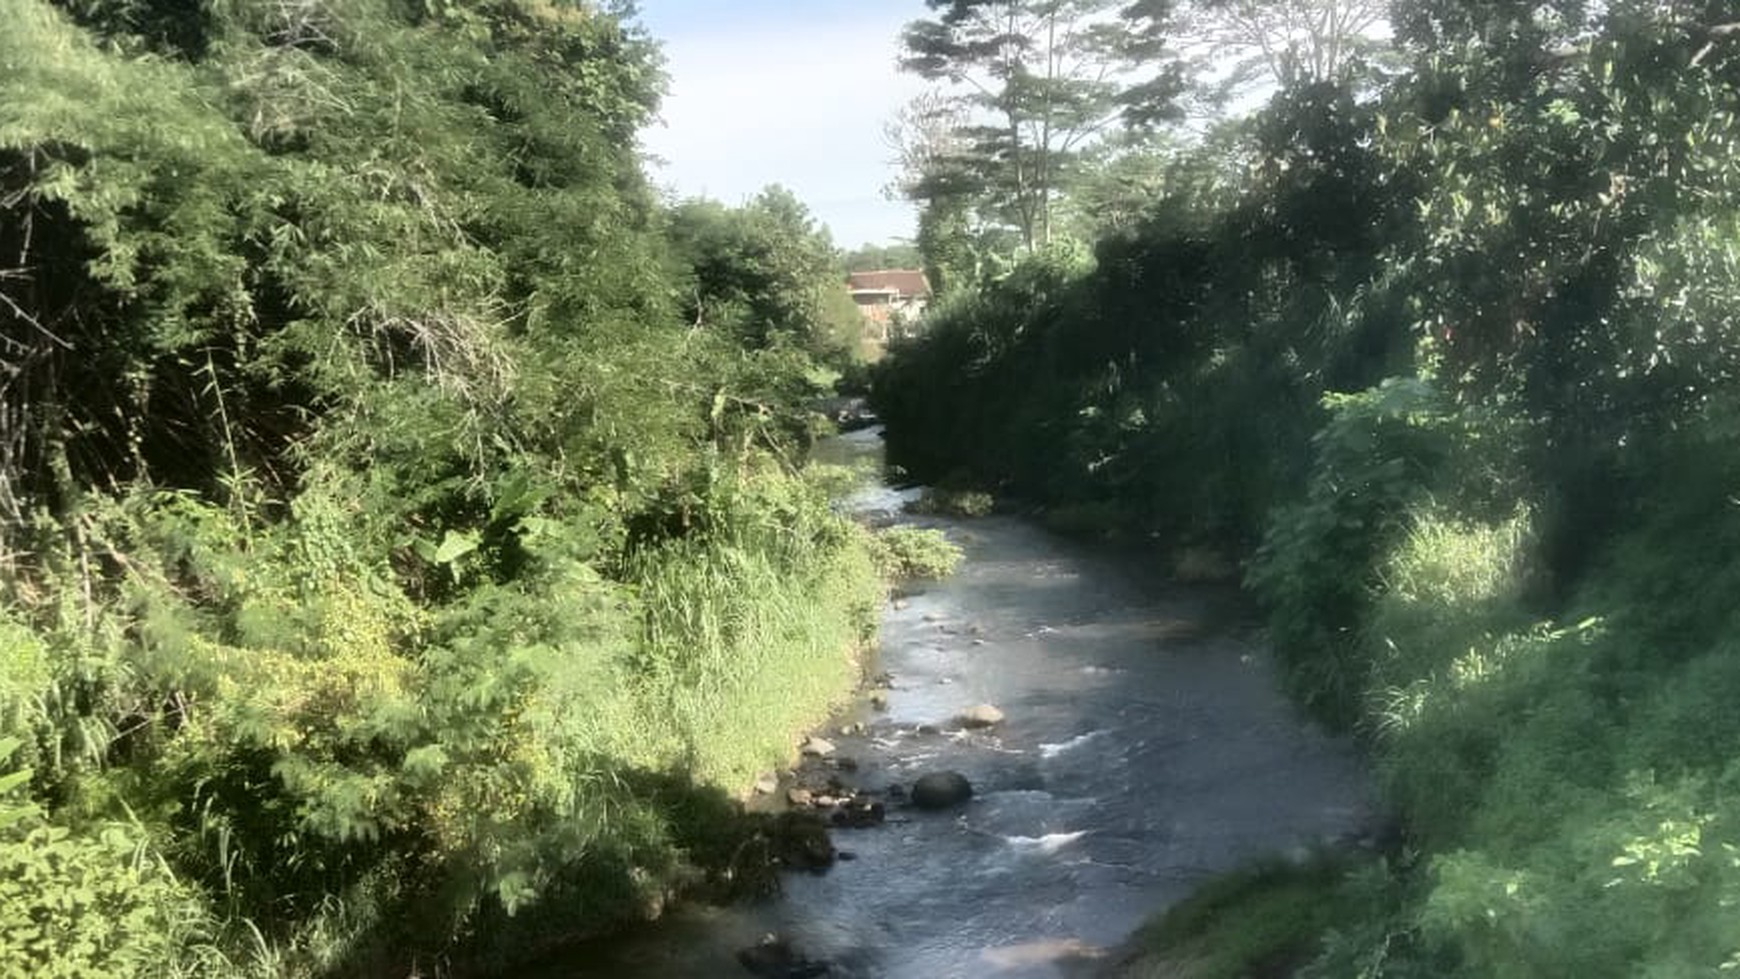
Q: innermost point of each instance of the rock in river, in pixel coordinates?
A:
(817, 747)
(774, 958)
(800, 841)
(981, 716)
(941, 790)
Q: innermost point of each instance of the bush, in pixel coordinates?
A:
(90, 905)
(953, 503)
(912, 552)
(1379, 455)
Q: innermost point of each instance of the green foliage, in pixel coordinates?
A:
(913, 552)
(1176, 377)
(1266, 919)
(386, 550)
(89, 905)
(1378, 461)
(954, 503)
(765, 274)
(12, 810)
(753, 623)
(1456, 353)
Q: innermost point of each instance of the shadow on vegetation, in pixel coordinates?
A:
(690, 842)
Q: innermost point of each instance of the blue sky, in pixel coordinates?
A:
(784, 91)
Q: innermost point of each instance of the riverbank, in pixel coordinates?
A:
(1533, 644)
(1143, 748)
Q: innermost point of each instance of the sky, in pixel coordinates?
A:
(793, 92)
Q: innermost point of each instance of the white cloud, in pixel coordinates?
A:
(801, 104)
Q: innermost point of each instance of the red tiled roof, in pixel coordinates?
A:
(909, 282)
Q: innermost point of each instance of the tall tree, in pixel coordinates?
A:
(1285, 42)
(871, 257)
(1034, 83)
(936, 171)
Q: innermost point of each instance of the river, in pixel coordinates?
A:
(1146, 747)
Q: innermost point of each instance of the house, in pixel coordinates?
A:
(891, 300)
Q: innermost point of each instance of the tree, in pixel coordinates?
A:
(937, 172)
(1123, 176)
(1033, 83)
(1285, 42)
(763, 272)
(869, 258)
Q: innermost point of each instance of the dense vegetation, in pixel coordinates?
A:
(405, 553)
(1450, 354)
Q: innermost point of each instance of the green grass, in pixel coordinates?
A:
(1264, 921)
(1571, 784)
(749, 654)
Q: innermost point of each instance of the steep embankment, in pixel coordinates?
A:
(1501, 556)
(395, 569)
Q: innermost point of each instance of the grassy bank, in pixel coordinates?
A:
(1469, 422)
(1566, 782)
(394, 778)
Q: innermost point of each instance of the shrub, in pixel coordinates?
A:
(90, 905)
(912, 552)
(1376, 459)
(953, 503)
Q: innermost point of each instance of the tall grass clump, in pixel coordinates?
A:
(1563, 779)
(753, 625)
(1380, 462)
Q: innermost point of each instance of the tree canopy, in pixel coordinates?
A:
(1034, 82)
(400, 513)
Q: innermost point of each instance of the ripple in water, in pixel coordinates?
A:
(1048, 844)
(1049, 751)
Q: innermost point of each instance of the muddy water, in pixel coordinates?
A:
(1146, 747)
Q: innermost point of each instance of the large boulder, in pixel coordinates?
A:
(982, 716)
(774, 958)
(800, 841)
(941, 790)
(859, 814)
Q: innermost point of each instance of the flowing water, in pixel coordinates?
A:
(1146, 747)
